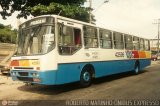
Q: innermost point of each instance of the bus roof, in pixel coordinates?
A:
(81, 22)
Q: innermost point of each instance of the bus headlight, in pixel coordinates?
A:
(35, 74)
(13, 73)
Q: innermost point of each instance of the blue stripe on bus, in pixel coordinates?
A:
(70, 72)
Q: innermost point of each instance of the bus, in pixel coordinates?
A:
(54, 50)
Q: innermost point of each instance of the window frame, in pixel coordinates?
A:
(136, 43)
(87, 35)
(127, 42)
(148, 45)
(142, 44)
(116, 41)
(103, 38)
(61, 46)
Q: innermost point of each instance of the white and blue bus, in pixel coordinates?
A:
(55, 50)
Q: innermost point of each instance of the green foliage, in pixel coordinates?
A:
(70, 11)
(68, 8)
(7, 35)
(2, 26)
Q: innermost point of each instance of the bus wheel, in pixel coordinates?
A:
(86, 77)
(136, 68)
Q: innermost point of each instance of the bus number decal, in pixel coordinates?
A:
(93, 55)
(87, 54)
(119, 54)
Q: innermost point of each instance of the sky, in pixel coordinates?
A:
(135, 17)
(12, 20)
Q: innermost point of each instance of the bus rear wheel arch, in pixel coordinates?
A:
(87, 75)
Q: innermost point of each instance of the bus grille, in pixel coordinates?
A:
(29, 68)
(23, 73)
(25, 79)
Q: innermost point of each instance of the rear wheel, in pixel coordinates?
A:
(136, 68)
(86, 77)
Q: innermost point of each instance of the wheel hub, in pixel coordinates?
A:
(86, 76)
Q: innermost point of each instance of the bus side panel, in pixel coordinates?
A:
(144, 63)
(70, 72)
(48, 77)
(67, 73)
(113, 67)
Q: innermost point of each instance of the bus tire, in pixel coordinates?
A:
(136, 68)
(86, 77)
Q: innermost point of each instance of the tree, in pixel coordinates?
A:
(2, 26)
(7, 35)
(68, 8)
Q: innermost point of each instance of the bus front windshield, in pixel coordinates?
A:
(36, 40)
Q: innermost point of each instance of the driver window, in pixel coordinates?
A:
(69, 40)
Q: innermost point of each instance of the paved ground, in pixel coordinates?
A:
(122, 86)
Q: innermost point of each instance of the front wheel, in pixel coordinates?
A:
(86, 77)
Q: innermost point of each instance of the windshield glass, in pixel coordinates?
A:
(37, 39)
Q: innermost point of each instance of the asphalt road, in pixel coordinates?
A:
(126, 86)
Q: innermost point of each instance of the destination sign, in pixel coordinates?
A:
(38, 21)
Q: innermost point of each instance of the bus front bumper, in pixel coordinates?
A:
(37, 77)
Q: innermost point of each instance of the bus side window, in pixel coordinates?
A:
(142, 45)
(136, 45)
(77, 37)
(105, 39)
(147, 45)
(118, 40)
(69, 40)
(90, 37)
(128, 42)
